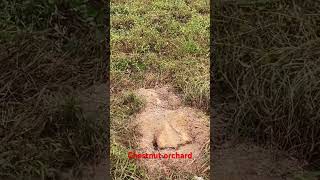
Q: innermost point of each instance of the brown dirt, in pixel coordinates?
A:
(165, 126)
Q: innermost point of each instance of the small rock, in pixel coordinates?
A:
(198, 178)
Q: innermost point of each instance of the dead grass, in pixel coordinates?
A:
(267, 72)
(49, 52)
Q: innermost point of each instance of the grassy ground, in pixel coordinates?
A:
(154, 43)
(267, 73)
(49, 49)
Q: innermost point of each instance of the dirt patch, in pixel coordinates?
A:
(167, 127)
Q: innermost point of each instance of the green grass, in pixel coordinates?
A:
(267, 75)
(154, 43)
(124, 106)
(163, 41)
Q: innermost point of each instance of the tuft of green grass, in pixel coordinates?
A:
(122, 107)
(122, 166)
(132, 103)
(194, 83)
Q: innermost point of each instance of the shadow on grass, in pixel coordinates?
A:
(268, 73)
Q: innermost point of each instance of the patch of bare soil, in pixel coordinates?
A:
(167, 127)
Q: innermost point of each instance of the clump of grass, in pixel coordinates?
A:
(194, 83)
(122, 167)
(122, 107)
(267, 61)
(133, 103)
(123, 137)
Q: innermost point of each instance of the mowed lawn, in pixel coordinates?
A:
(154, 43)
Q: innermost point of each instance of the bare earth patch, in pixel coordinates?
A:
(167, 127)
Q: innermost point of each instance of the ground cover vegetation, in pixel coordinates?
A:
(154, 43)
(267, 73)
(49, 49)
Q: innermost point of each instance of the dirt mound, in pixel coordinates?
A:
(167, 127)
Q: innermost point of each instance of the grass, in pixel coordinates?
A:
(267, 73)
(50, 50)
(124, 106)
(160, 47)
(154, 43)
